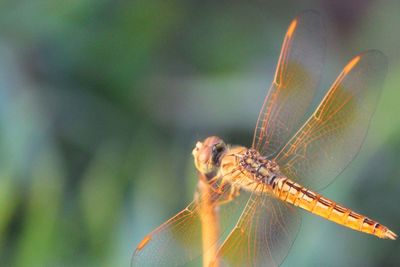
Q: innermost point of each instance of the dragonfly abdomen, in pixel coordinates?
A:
(297, 195)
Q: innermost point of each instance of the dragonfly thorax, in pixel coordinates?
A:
(259, 168)
(247, 169)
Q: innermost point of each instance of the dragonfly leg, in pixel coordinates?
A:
(234, 192)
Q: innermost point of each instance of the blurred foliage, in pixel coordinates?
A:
(101, 103)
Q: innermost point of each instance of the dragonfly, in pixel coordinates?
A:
(292, 157)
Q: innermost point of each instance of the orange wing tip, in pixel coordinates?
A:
(292, 28)
(143, 243)
(390, 235)
(351, 64)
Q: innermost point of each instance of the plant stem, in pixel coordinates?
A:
(209, 223)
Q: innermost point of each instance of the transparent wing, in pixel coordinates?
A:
(264, 234)
(179, 240)
(296, 79)
(173, 243)
(333, 135)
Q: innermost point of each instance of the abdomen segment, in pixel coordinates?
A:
(293, 193)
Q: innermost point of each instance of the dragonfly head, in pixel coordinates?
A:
(207, 155)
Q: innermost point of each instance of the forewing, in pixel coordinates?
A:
(333, 135)
(264, 234)
(174, 243)
(296, 79)
(179, 240)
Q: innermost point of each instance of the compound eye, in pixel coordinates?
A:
(217, 150)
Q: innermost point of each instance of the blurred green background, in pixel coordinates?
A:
(101, 103)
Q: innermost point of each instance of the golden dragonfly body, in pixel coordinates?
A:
(246, 169)
(290, 157)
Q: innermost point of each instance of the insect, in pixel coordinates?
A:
(290, 158)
